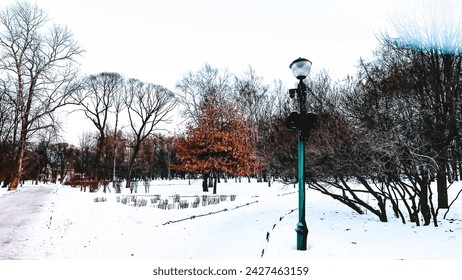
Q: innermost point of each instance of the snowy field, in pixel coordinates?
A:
(244, 222)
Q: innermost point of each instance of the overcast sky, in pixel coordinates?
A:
(159, 41)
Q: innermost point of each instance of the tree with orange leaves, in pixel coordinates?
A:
(219, 143)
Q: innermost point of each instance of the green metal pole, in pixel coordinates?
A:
(302, 230)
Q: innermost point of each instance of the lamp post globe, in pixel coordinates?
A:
(301, 68)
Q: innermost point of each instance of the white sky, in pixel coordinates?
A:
(159, 41)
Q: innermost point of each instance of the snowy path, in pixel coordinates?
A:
(22, 213)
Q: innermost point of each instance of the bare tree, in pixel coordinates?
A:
(119, 105)
(253, 101)
(148, 105)
(427, 33)
(7, 114)
(7, 128)
(86, 155)
(250, 94)
(38, 62)
(389, 127)
(42, 153)
(100, 95)
(62, 156)
(204, 86)
(277, 147)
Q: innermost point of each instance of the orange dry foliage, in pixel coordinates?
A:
(219, 143)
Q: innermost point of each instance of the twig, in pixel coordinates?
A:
(449, 208)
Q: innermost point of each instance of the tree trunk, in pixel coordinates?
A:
(136, 149)
(205, 183)
(383, 212)
(455, 171)
(442, 186)
(62, 171)
(7, 180)
(215, 179)
(424, 208)
(129, 181)
(17, 167)
(15, 179)
(210, 181)
(99, 149)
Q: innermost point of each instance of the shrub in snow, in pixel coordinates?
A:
(175, 202)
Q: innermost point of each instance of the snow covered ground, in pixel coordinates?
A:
(249, 222)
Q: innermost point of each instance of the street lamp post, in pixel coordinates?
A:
(302, 121)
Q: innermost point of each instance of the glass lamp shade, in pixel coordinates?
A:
(301, 68)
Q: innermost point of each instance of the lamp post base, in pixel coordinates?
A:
(302, 234)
